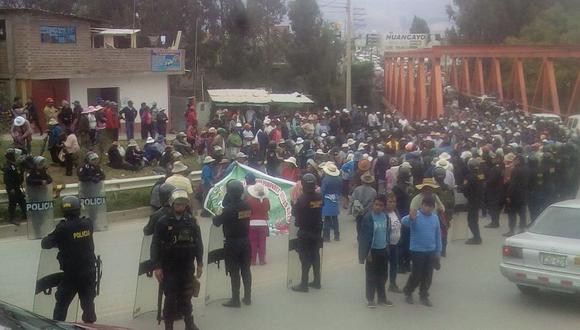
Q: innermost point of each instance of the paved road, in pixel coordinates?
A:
(468, 292)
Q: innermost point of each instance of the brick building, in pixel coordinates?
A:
(45, 54)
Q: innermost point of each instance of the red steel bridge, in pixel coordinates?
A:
(414, 79)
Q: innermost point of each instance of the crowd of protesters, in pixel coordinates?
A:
(396, 177)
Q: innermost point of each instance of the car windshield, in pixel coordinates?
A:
(558, 221)
(12, 317)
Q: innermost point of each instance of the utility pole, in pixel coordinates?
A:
(348, 55)
(195, 61)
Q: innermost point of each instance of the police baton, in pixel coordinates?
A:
(159, 302)
(99, 271)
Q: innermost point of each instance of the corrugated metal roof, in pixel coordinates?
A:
(114, 32)
(255, 96)
(295, 97)
(239, 96)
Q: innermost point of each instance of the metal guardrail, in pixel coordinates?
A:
(113, 185)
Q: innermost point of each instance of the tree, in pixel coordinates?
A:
(362, 82)
(557, 25)
(263, 16)
(314, 53)
(419, 26)
(491, 21)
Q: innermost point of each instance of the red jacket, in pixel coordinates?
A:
(112, 120)
(259, 208)
(191, 116)
(291, 173)
(276, 135)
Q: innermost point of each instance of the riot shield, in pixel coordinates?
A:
(147, 294)
(94, 202)
(294, 264)
(48, 278)
(459, 227)
(217, 283)
(39, 211)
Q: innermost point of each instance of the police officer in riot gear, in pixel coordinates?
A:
(235, 219)
(176, 250)
(308, 214)
(74, 239)
(38, 175)
(91, 171)
(165, 191)
(473, 191)
(13, 181)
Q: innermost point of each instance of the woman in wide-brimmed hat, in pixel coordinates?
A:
(426, 188)
(330, 190)
(290, 171)
(259, 204)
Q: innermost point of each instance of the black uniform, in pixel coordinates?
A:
(235, 219)
(175, 246)
(74, 239)
(36, 178)
(517, 193)
(494, 193)
(149, 228)
(91, 173)
(13, 182)
(473, 191)
(536, 189)
(308, 214)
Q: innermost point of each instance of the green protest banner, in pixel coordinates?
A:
(278, 192)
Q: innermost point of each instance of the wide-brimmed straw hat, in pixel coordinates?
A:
(19, 121)
(509, 157)
(443, 164)
(179, 167)
(208, 159)
(445, 155)
(427, 182)
(331, 169)
(257, 191)
(291, 160)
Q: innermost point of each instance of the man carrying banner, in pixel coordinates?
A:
(308, 213)
(74, 239)
(176, 245)
(235, 219)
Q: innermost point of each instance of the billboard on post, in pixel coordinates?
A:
(165, 60)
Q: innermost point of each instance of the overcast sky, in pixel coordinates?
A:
(385, 16)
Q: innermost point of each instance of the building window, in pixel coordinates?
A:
(58, 34)
(2, 29)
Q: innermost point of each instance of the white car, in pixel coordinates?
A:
(548, 117)
(547, 255)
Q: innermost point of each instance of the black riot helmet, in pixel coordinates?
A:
(70, 206)
(234, 190)
(11, 154)
(473, 165)
(165, 191)
(308, 183)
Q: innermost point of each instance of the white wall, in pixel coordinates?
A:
(139, 89)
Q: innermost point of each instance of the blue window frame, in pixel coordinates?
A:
(58, 34)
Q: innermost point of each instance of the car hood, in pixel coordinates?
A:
(98, 327)
(540, 242)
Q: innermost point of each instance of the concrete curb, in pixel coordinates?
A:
(9, 231)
